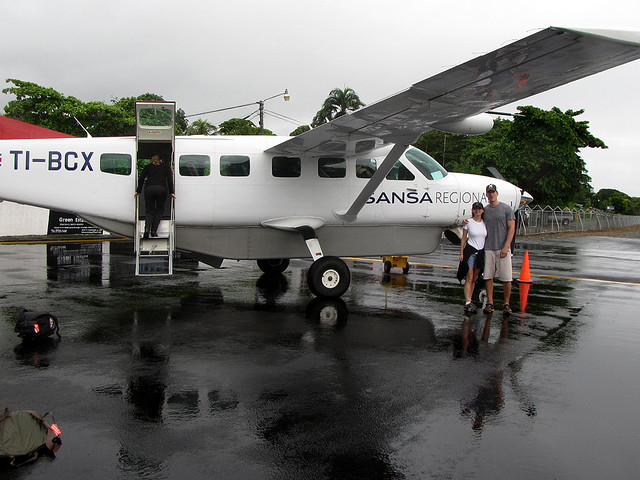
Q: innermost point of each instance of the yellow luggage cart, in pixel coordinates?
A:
(396, 261)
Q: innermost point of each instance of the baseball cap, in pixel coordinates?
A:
(477, 205)
(491, 188)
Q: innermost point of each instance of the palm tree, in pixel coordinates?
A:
(201, 127)
(338, 103)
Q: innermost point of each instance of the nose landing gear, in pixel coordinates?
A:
(328, 277)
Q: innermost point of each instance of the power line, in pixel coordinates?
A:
(283, 117)
(220, 109)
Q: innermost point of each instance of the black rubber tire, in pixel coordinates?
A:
(273, 265)
(328, 277)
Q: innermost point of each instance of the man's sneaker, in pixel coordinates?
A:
(506, 309)
(488, 308)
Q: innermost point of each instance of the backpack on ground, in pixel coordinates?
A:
(25, 435)
(35, 325)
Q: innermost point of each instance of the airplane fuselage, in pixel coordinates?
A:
(234, 200)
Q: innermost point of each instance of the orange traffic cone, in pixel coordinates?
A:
(525, 277)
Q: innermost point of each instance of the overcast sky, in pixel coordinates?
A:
(210, 54)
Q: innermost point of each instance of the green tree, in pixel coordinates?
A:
(42, 106)
(241, 126)
(300, 129)
(534, 141)
(338, 103)
(48, 108)
(621, 202)
(201, 127)
(551, 137)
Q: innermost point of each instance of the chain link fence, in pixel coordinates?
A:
(537, 219)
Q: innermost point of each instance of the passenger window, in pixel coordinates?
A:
(234, 166)
(194, 165)
(400, 172)
(285, 167)
(115, 163)
(332, 167)
(366, 167)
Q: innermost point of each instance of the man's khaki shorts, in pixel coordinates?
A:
(494, 264)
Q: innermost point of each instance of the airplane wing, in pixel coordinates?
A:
(547, 59)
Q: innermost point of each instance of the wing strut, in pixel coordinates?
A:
(390, 160)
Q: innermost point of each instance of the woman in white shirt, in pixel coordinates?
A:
(474, 234)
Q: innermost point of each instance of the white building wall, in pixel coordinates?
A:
(17, 219)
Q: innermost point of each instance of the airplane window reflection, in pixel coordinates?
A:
(234, 166)
(285, 167)
(194, 165)
(366, 167)
(115, 163)
(332, 167)
(400, 172)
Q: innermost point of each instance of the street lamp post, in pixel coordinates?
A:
(260, 103)
(286, 96)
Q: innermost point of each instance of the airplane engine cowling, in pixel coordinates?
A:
(454, 235)
(476, 125)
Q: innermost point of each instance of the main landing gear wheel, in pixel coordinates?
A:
(273, 265)
(328, 277)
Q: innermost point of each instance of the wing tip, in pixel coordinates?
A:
(619, 35)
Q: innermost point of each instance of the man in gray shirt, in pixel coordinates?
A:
(501, 226)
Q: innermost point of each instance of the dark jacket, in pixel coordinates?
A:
(463, 267)
(156, 175)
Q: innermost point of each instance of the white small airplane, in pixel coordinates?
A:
(351, 187)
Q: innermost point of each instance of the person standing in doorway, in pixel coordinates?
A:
(501, 226)
(156, 179)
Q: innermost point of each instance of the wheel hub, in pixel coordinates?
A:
(330, 278)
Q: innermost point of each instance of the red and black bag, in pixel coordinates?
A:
(36, 325)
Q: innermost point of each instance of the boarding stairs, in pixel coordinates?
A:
(154, 255)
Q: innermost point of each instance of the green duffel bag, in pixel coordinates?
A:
(25, 435)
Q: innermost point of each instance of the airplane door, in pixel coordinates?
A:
(155, 136)
(401, 196)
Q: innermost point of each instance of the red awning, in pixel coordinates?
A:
(15, 129)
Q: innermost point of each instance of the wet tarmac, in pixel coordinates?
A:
(233, 374)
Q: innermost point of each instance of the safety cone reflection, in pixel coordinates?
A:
(524, 296)
(525, 282)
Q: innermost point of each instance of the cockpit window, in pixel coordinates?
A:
(427, 165)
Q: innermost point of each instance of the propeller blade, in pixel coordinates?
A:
(495, 173)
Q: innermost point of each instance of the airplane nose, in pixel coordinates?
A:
(525, 198)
